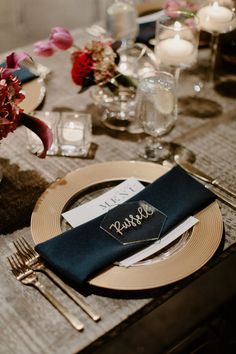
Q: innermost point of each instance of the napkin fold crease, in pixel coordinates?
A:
(80, 253)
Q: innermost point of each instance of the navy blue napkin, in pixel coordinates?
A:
(146, 32)
(23, 74)
(80, 253)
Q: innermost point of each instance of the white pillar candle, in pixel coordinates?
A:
(176, 51)
(73, 132)
(215, 18)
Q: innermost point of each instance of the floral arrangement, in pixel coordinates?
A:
(95, 64)
(180, 5)
(11, 115)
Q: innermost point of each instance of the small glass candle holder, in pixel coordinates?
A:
(34, 144)
(74, 134)
(216, 17)
(177, 38)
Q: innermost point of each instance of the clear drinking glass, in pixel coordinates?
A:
(34, 144)
(157, 113)
(74, 133)
(121, 21)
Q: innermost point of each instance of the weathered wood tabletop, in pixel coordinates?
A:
(29, 324)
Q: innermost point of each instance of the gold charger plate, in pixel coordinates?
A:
(200, 247)
(34, 92)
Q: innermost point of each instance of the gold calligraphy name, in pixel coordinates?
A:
(144, 212)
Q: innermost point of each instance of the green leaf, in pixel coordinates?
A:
(125, 81)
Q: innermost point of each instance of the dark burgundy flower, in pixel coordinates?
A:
(10, 97)
(10, 112)
(41, 129)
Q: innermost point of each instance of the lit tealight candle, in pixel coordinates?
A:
(73, 132)
(215, 18)
(175, 50)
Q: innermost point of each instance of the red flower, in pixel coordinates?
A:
(95, 64)
(82, 68)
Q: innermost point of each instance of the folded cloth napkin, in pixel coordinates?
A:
(146, 32)
(79, 253)
(23, 74)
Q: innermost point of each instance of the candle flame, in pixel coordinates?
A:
(177, 26)
(215, 5)
(71, 125)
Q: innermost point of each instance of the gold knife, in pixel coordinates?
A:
(194, 171)
(221, 197)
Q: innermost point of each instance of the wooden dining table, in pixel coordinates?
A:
(162, 317)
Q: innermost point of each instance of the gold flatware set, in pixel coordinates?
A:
(26, 262)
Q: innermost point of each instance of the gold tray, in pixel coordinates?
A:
(199, 248)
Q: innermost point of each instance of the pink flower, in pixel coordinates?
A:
(43, 48)
(13, 60)
(170, 6)
(61, 38)
(13, 63)
(95, 64)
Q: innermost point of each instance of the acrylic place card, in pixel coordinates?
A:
(134, 222)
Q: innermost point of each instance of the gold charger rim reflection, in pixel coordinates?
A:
(200, 247)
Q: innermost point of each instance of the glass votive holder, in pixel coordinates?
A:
(34, 144)
(74, 133)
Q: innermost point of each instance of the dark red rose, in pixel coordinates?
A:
(82, 68)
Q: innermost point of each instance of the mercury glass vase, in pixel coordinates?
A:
(118, 108)
(135, 63)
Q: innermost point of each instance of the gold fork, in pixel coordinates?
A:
(34, 262)
(29, 277)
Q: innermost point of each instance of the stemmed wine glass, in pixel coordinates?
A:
(177, 39)
(157, 112)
